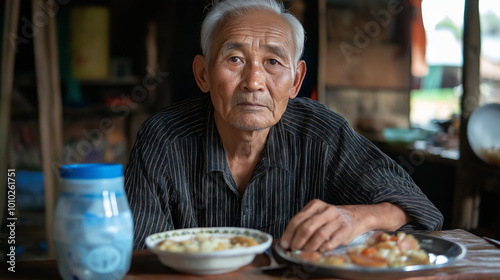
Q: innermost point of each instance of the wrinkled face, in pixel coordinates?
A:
(251, 72)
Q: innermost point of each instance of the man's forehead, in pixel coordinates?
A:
(270, 29)
(272, 47)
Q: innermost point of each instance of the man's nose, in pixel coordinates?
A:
(254, 79)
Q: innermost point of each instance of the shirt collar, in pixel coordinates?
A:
(277, 151)
(215, 156)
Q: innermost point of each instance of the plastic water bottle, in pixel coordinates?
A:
(93, 228)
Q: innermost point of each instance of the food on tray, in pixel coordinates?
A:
(206, 243)
(381, 250)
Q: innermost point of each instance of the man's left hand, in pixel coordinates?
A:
(322, 226)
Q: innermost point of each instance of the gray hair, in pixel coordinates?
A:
(223, 9)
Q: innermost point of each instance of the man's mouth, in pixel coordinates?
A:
(250, 104)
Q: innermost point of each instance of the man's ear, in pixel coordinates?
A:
(300, 73)
(200, 73)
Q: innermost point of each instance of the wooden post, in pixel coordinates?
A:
(50, 111)
(322, 49)
(466, 201)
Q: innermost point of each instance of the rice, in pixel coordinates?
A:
(206, 243)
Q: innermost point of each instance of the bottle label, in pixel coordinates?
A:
(103, 259)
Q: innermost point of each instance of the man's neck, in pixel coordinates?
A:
(243, 149)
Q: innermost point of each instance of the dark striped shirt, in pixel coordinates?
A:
(178, 176)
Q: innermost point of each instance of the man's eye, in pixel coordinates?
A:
(273, 61)
(234, 59)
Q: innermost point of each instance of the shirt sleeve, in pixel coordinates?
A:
(145, 190)
(362, 174)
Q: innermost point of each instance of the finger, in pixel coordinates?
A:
(338, 237)
(307, 230)
(310, 234)
(286, 237)
(321, 236)
(289, 233)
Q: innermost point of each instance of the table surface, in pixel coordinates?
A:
(482, 261)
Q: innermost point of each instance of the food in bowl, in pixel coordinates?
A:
(214, 261)
(491, 155)
(483, 133)
(206, 243)
(382, 250)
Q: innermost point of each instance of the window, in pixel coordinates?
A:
(489, 11)
(436, 78)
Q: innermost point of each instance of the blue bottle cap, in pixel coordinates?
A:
(91, 171)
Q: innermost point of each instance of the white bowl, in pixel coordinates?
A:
(483, 132)
(215, 262)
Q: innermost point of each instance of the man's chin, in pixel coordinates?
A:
(251, 127)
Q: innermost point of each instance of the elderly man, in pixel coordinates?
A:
(250, 154)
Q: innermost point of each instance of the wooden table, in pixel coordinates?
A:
(482, 261)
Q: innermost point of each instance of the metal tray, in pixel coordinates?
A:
(441, 252)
